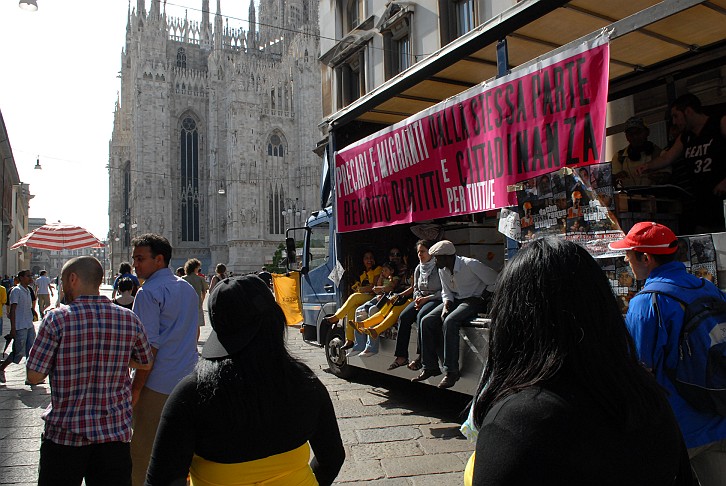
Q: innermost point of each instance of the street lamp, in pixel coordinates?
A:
(29, 5)
(293, 210)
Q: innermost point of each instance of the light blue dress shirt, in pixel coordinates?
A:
(168, 309)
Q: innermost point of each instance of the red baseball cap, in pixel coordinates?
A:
(648, 237)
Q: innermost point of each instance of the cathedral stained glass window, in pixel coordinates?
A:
(189, 171)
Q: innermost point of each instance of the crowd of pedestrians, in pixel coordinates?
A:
(567, 396)
(102, 422)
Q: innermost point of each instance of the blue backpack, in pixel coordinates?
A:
(700, 375)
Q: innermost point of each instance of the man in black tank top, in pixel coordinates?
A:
(702, 145)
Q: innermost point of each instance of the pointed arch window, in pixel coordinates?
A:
(189, 170)
(275, 201)
(275, 147)
(181, 58)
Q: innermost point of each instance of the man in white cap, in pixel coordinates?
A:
(651, 249)
(466, 284)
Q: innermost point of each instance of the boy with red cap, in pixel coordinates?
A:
(651, 250)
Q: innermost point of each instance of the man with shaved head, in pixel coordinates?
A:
(87, 348)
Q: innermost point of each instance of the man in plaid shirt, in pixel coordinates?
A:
(87, 349)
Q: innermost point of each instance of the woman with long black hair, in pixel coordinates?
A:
(563, 399)
(237, 418)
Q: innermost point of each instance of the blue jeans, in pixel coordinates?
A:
(406, 320)
(363, 341)
(24, 339)
(438, 334)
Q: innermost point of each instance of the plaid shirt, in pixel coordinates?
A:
(85, 348)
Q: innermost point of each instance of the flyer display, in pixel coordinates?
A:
(697, 253)
(573, 204)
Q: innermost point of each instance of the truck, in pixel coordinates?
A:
(646, 55)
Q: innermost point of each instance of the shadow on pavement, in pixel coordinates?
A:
(418, 399)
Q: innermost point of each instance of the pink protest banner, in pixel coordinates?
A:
(469, 153)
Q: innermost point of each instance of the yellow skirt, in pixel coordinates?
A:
(289, 468)
(469, 470)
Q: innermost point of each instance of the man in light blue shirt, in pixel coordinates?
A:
(167, 307)
(466, 284)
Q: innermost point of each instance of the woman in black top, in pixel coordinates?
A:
(125, 298)
(563, 399)
(249, 410)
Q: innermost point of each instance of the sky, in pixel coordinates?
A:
(58, 89)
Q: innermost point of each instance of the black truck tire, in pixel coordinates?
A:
(337, 360)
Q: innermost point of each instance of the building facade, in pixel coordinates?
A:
(214, 130)
(12, 200)
(365, 43)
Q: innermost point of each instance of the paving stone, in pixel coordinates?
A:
(20, 445)
(27, 433)
(381, 450)
(355, 394)
(19, 474)
(19, 413)
(442, 431)
(447, 479)
(359, 423)
(388, 434)
(380, 399)
(360, 471)
(353, 408)
(29, 459)
(387, 482)
(439, 446)
(348, 437)
(419, 465)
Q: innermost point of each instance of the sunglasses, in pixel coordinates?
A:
(394, 254)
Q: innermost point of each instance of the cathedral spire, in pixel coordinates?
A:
(206, 28)
(141, 8)
(218, 33)
(252, 28)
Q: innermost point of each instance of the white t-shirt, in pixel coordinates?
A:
(43, 283)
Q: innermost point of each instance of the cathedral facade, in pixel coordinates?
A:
(213, 132)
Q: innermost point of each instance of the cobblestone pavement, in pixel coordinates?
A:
(395, 432)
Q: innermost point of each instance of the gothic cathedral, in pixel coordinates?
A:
(214, 132)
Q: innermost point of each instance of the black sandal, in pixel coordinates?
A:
(396, 364)
(415, 365)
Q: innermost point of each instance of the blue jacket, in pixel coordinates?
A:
(657, 346)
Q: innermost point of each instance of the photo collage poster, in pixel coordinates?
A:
(576, 204)
(697, 253)
(622, 280)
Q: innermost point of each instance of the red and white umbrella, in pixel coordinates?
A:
(58, 236)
